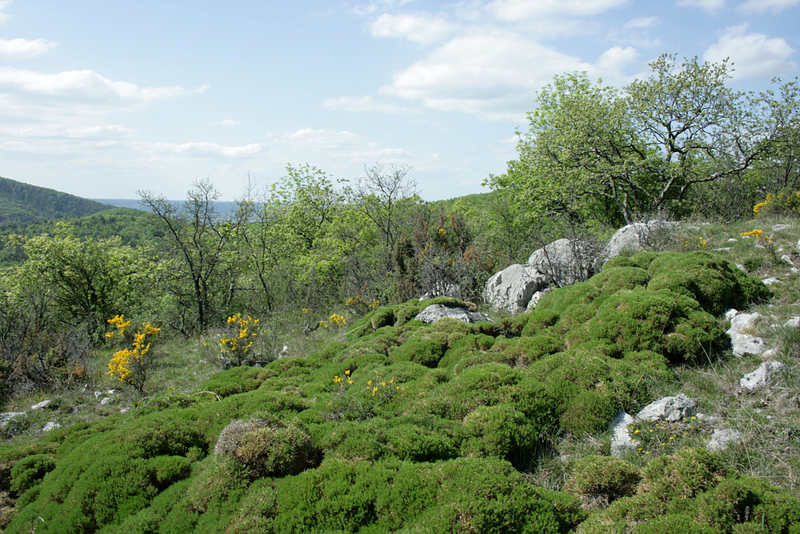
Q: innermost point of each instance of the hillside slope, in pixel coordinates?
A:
(22, 203)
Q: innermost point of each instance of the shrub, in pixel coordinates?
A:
(267, 448)
(130, 365)
(782, 204)
(30, 470)
(236, 347)
(426, 351)
(600, 480)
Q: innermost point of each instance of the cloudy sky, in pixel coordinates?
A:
(101, 98)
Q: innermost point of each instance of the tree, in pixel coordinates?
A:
(86, 281)
(201, 240)
(780, 162)
(597, 153)
(289, 243)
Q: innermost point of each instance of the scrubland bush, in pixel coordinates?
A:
(267, 448)
(600, 480)
(422, 427)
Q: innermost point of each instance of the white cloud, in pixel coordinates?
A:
(709, 6)
(517, 10)
(228, 123)
(418, 28)
(85, 83)
(61, 130)
(642, 22)
(23, 48)
(495, 74)
(339, 144)
(4, 16)
(616, 59)
(754, 55)
(208, 149)
(363, 103)
(760, 6)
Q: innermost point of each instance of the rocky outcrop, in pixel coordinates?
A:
(760, 377)
(635, 237)
(669, 409)
(564, 261)
(512, 288)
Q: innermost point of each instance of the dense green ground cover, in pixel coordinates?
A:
(402, 426)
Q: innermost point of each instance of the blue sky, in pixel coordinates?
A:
(102, 98)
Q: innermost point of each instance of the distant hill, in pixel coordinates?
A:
(224, 207)
(22, 203)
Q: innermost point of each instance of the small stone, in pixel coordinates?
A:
(8, 416)
(771, 280)
(794, 322)
(779, 227)
(721, 438)
(787, 259)
(50, 426)
(97, 394)
(105, 401)
(747, 344)
(669, 409)
(730, 314)
(621, 439)
(744, 323)
(760, 377)
(41, 405)
(733, 240)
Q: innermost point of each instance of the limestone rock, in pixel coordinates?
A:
(512, 288)
(621, 440)
(744, 323)
(564, 261)
(635, 237)
(669, 409)
(50, 426)
(434, 312)
(721, 438)
(760, 377)
(747, 344)
(40, 405)
(6, 417)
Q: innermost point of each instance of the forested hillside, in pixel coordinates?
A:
(21, 203)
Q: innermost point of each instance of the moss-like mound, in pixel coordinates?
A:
(406, 426)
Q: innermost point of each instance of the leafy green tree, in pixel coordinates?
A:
(780, 163)
(81, 281)
(601, 154)
(289, 241)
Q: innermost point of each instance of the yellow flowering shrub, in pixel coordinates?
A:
(129, 365)
(359, 403)
(236, 348)
(361, 305)
(762, 239)
(783, 203)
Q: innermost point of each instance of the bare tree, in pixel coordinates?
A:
(200, 238)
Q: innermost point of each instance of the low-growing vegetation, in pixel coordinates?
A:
(292, 389)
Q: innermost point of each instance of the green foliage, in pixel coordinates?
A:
(691, 491)
(595, 153)
(21, 203)
(30, 470)
(267, 448)
(83, 281)
(602, 477)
